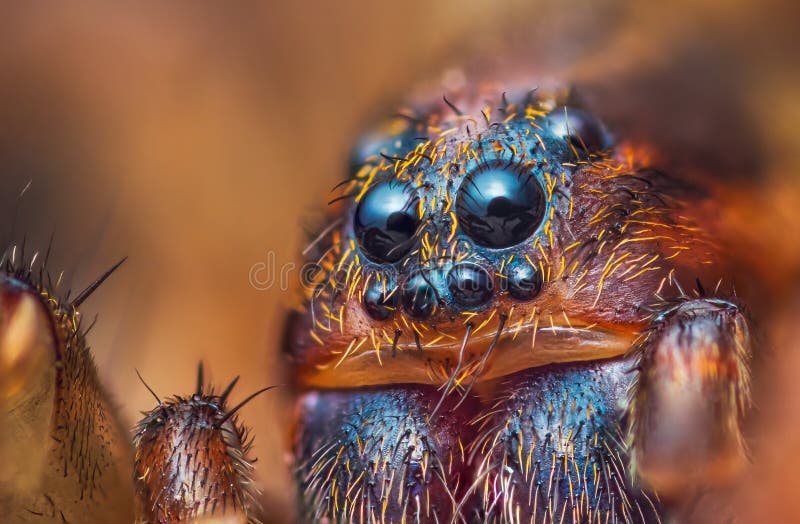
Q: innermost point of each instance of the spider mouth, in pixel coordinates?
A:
(472, 358)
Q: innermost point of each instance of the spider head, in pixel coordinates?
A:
(455, 230)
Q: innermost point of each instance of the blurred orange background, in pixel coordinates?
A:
(198, 137)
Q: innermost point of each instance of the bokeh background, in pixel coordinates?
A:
(196, 138)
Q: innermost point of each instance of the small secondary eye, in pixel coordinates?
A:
(579, 128)
(470, 285)
(381, 298)
(499, 207)
(386, 221)
(419, 295)
(523, 281)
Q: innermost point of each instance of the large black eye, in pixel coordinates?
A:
(499, 207)
(385, 221)
(578, 127)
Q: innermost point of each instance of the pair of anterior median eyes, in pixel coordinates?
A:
(497, 206)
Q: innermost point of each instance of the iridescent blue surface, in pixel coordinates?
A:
(381, 298)
(470, 285)
(500, 207)
(420, 296)
(523, 281)
(582, 130)
(385, 221)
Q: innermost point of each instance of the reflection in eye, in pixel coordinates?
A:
(523, 281)
(499, 207)
(381, 297)
(581, 130)
(419, 294)
(470, 285)
(385, 222)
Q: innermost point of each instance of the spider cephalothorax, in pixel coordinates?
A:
(478, 243)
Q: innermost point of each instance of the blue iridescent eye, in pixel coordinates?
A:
(523, 281)
(381, 298)
(580, 129)
(500, 207)
(470, 285)
(419, 295)
(386, 221)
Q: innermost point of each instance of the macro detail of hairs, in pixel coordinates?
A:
(556, 279)
(68, 458)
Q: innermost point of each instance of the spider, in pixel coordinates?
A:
(518, 317)
(515, 314)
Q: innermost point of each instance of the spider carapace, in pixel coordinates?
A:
(516, 316)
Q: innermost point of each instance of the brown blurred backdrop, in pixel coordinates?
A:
(198, 137)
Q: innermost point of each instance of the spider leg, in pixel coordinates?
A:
(379, 455)
(551, 449)
(687, 403)
(193, 460)
(65, 455)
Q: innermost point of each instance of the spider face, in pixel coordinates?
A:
(503, 260)
(525, 214)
